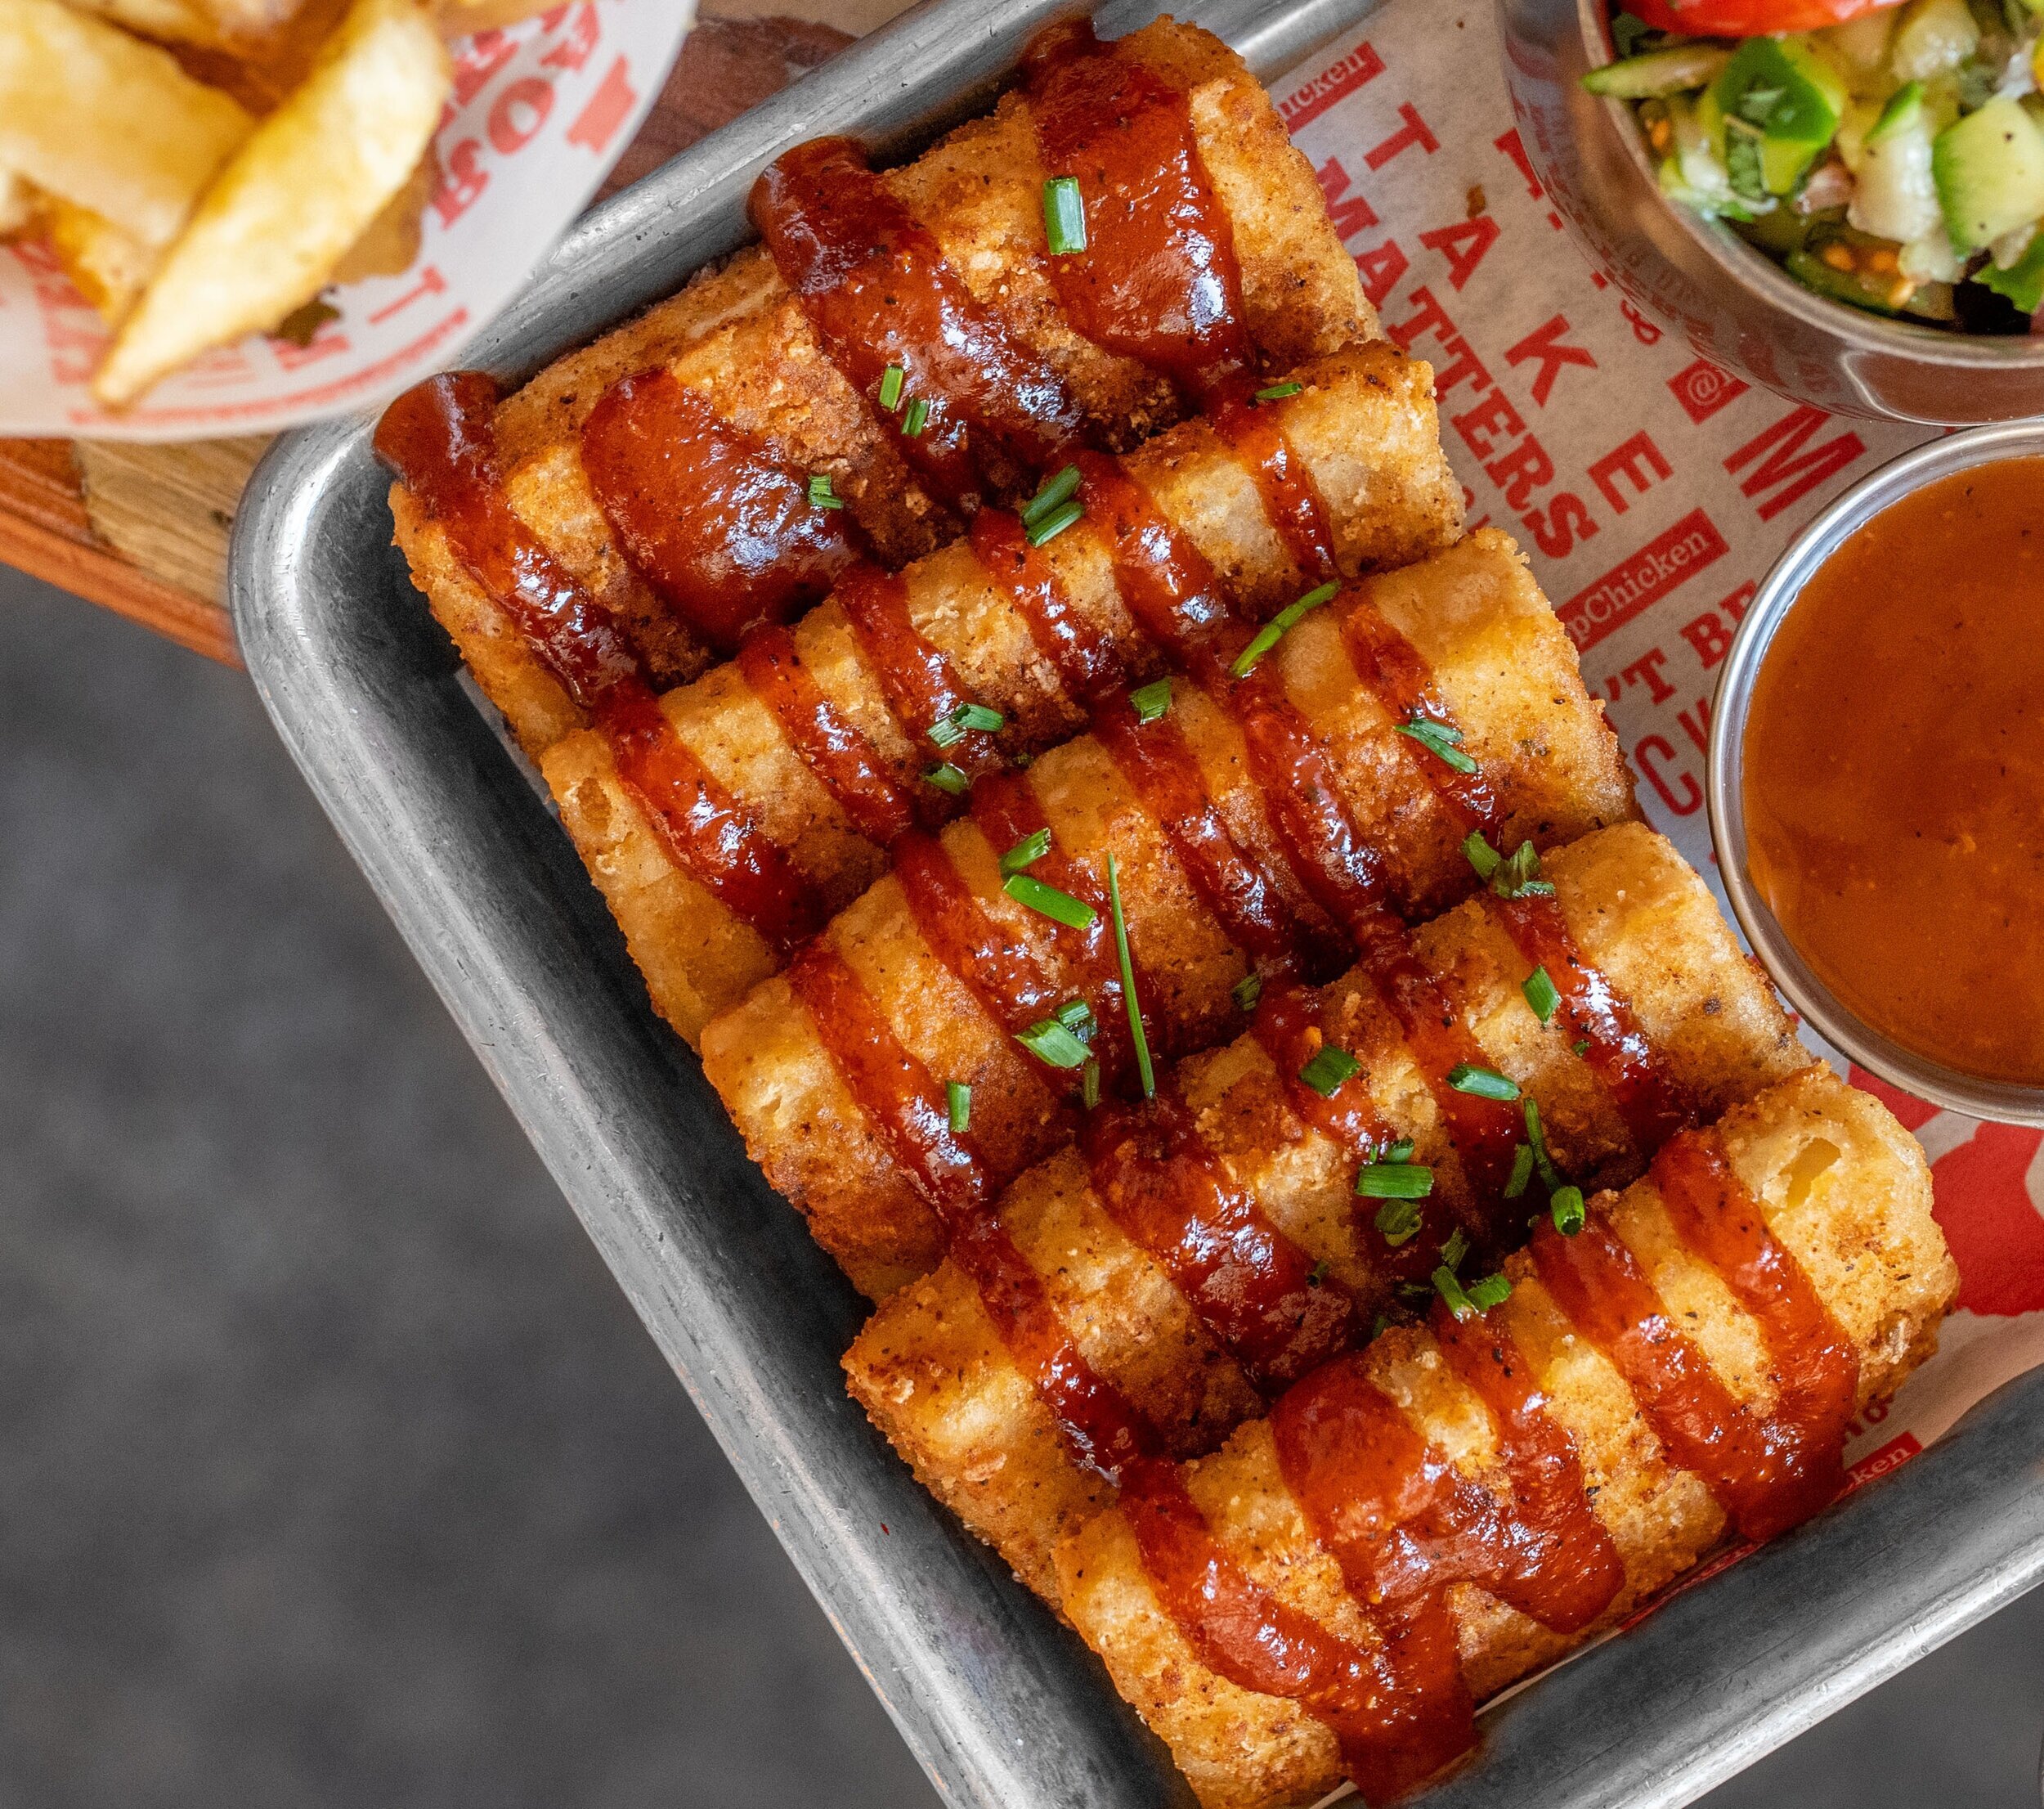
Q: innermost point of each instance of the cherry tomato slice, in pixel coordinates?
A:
(1749, 18)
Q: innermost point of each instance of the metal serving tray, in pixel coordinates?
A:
(1003, 1706)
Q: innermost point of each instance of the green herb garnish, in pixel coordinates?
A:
(1443, 740)
(1274, 631)
(1049, 526)
(891, 382)
(1151, 701)
(821, 495)
(1492, 1290)
(1074, 913)
(1483, 1082)
(947, 778)
(1058, 490)
(1518, 876)
(1027, 852)
(1077, 1017)
(1541, 996)
(1568, 1210)
(1521, 1174)
(1064, 216)
(1247, 991)
(1144, 1071)
(1050, 1041)
(958, 1099)
(1089, 1085)
(1483, 857)
(1277, 393)
(947, 731)
(1454, 1249)
(1328, 1068)
(915, 419)
(1550, 1176)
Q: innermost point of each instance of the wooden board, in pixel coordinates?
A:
(142, 530)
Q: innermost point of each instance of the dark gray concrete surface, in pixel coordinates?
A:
(334, 1471)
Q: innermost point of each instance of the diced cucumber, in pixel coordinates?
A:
(1675, 70)
(1989, 167)
(1792, 97)
(1896, 196)
(1904, 109)
(1693, 175)
(2023, 282)
(1934, 36)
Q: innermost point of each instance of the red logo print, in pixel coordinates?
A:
(1987, 1187)
(1703, 389)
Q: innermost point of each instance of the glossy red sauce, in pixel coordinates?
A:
(1595, 1014)
(1088, 663)
(1249, 1285)
(441, 438)
(723, 535)
(917, 678)
(1396, 673)
(1158, 279)
(1165, 583)
(879, 291)
(708, 835)
(1162, 770)
(1001, 973)
(1767, 1473)
(851, 771)
(1254, 432)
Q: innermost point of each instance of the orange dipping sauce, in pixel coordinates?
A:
(1894, 772)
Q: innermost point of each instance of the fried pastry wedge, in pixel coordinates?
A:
(1202, 1253)
(1418, 1524)
(1292, 803)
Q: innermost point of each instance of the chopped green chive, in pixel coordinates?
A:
(1398, 1220)
(947, 778)
(1060, 489)
(1492, 1290)
(1027, 852)
(958, 1097)
(1151, 701)
(1550, 1176)
(1483, 857)
(1143, 1069)
(1274, 631)
(1379, 1325)
(891, 382)
(1400, 1152)
(1394, 1180)
(917, 417)
(1077, 1017)
(1316, 1274)
(1540, 995)
(1451, 1290)
(947, 731)
(1454, 1249)
(1277, 393)
(1089, 1085)
(1567, 1207)
(1074, 913)
(1521, 1171)
(1519, 877)
(1328, 1068)
(1048, 527)
(821, 495)
(1414, 1294)
(1064, 215)
(1484, 1083)
(1580, 1048)
(1246, 991)
(1443, 740)
(1049, 1041)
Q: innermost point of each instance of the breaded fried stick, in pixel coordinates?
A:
(821, 735)
(1420, 1523)
(1203, 1253)
(1285, 808)
(670, 470)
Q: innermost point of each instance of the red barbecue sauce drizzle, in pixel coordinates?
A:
(1767, 1473)
(1597, 1016)
(1158, 280)
(842, 758)
(723, 535)
(879, 291)
(1003, 974)
(1255, 433)
(922, 686)
(1257, 1294)
(1165, 583)
(440, 437)
(1407, 1525)
(1088, 663)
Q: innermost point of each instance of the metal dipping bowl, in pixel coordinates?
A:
(1736, 306)
(1948, 1087)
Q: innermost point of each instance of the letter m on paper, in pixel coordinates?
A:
(1783, 468)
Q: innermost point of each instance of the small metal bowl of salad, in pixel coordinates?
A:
(1842, 199)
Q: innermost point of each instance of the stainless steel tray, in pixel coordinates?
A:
(1003, 1706)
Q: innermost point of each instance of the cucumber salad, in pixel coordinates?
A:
(1893, 159)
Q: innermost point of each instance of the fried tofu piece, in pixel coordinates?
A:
(931, 1366)
(738, 336)
(1507, 675)
(1842, 1187)
(1363, 426)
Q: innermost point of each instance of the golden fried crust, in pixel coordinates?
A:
(739, 338)
(1564, 779)
(1843, 1187)
(930, 1367)
(1363, 423)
